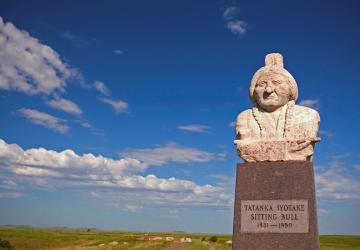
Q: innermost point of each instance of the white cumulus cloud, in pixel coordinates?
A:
(118, 52)
(65, 105)
(335, 183)
(101, 88)
(8, 184)
(171, 153)
(94, 194)
(311, 103)
(65, 169)
(197, 128)
(118, 105)
(10, 194)
(27, 65)
(131, 208)
(45, 120)
(237, 27)
(230, 12)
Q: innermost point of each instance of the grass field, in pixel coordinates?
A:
(66, 239)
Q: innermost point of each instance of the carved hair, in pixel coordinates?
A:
(274, 64)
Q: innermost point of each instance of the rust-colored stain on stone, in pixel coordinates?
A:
(278, 173)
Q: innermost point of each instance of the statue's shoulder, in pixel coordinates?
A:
(306, 112)
(244, 115)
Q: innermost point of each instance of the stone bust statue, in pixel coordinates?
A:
(276, 129)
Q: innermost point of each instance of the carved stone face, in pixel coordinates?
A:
(272, 91)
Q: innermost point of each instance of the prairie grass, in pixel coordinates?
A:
(339, 242)
(26, 238)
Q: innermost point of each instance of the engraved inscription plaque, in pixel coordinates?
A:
(274, 216)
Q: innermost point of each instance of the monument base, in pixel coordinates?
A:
(275, 206)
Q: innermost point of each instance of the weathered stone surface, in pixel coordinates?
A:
(275, 184)
(276, 129)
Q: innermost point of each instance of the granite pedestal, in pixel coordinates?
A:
(275, 206)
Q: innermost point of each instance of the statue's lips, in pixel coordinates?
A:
(270, 97)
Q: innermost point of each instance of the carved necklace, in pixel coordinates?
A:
(288, 119)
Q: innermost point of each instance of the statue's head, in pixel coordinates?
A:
(272, 86)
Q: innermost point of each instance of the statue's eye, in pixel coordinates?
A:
(261, 84)
(277, 82)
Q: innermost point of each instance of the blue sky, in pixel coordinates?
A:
(117, 115)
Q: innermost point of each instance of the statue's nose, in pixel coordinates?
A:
(269, 88)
